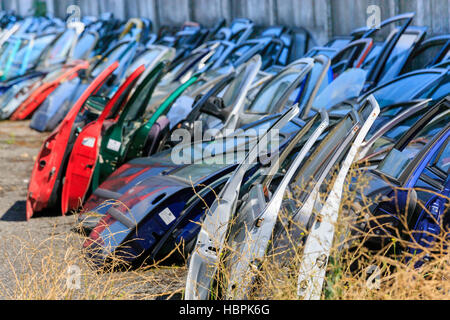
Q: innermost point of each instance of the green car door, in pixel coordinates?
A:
(111, 147)
(138, 139)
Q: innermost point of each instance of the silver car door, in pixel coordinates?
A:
(79, 28)
(335, 142)
(275, 92)
(308, 100)
(257, 233)
(415, 106)
(210, 242)
(249, 71)
(318, 244)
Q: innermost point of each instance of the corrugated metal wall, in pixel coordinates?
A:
(324, 18)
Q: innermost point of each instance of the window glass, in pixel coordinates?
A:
(271, 92)
(144, 59)
(384, 117)
(113, 57)
(348, 85)
(61, 47)
(313, 77)
(398, 57)
(404, 89)
(330, 53)
(84, 44)
(372, 56)
(338, 43)
(317, 159)
(235, 87)
(423, 57)
(29, 53)
(395, 133)
(195, 172)
(396, 162)
(443, 158)
(218, 52)
(441, 91)
(138, 99)
(175, 70)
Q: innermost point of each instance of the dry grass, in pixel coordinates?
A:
(354, 271)
(57, 269)
(45, 270)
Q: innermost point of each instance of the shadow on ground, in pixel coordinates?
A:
(16, 213)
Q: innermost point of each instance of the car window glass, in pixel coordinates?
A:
(137, 101)
(144, 59)
(38, 47)
(423, 58)
(274, 89)
(442, 162)
(61, 47)
(175, 70)
(441, 91)
(395, 133)
(235, 87)
(218, 52)
(404, 89)
(372, 56)
(195, 172)
(316, 160)
(338, 43)
(312, 79)
(348, 85)
(326, 52)
(398, 57)
(384, 117)
(84, 44)
(396, 162)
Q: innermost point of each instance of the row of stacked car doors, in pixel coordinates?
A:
(376, 99)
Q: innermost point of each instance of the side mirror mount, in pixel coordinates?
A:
(215, 107)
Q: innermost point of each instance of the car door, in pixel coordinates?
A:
(270, 97)
(385, 39)
(409, 111)
(430, 52)
(84, 155)
(352, 56)
(47, 174)
(322, 231)
(429, 220)
(111, 145)
(202, 265)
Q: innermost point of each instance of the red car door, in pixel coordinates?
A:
(40, 94)
(47, 174)
(84, 155)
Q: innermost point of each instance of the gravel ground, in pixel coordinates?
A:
(19, 146)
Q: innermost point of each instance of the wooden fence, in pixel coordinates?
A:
(324, 18)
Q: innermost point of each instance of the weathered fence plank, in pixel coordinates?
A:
(324, 18)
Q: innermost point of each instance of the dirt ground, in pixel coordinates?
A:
(19, 146)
